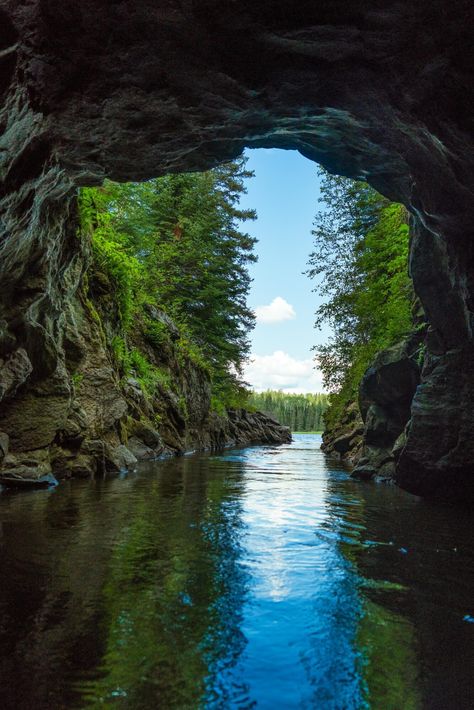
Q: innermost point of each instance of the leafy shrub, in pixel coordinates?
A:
(157, 334)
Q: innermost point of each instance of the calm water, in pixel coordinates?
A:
(258, 578)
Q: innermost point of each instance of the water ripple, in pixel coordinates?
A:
(257, 578)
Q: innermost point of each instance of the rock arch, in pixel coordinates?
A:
(371, 89)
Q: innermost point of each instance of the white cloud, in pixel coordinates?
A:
(281, 371)
(276, 311)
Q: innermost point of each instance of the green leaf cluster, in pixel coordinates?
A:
(120, 269)
(133, 363)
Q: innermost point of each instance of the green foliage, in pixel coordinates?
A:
(360, 261)
(134, 363)
(76, 379)
(122, 269)
(176, 242)
(188, 350)
(157, 334)
(120, 351)
(300, 412)
(217, 405)
(183, 407)
(147, 374)
(233, 394)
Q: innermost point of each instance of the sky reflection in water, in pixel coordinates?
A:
(256, 578)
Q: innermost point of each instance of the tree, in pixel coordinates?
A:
(360, 259)
(300, 412)
(181, 233)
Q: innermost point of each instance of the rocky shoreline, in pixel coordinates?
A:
(236, 428)
(372, 432)
(91, 417)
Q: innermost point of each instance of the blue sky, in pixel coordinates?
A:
(285, 192)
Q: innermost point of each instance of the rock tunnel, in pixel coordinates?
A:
(375, 90)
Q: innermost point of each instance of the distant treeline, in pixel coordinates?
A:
(300, 412)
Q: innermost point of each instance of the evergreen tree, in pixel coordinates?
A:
(300, 412)
(175, 241)
(360, 259)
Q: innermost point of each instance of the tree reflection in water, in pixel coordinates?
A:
(174, 593)
(262, 577)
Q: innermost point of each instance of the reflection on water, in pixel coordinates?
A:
(261, 577)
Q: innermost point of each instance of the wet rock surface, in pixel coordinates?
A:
(385, 397)
(131, 90)
(372, 433)
(94, 420)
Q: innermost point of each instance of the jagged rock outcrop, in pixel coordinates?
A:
(239, 427)
(372, 432)
(385, 397)
(344, 441)
(132, 89)
(107, 422)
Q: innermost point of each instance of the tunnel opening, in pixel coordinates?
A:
(163, 303)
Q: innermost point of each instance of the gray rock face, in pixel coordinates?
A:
(14, 371)
(132, 89)
(371, 434)
(345, 441)
(438, 456)
(385, 396)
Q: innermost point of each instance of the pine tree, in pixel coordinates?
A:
(181, 234)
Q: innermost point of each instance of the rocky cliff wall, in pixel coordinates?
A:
(97, 416)
(129, 89)
(372, 432)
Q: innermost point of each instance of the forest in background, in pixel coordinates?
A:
(300, 412)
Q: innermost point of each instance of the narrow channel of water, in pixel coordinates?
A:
(258, 578)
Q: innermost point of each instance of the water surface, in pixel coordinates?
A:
(258, 578)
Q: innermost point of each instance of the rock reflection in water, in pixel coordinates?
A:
(256, 578)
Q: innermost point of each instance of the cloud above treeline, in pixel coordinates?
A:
(275, 312)
(281, 371)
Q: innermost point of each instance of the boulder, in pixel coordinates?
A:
(14, 371)
(344, 440)
(146, 433)
(32, 465)
(141, 451)
(119, 458)
(72, 464)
